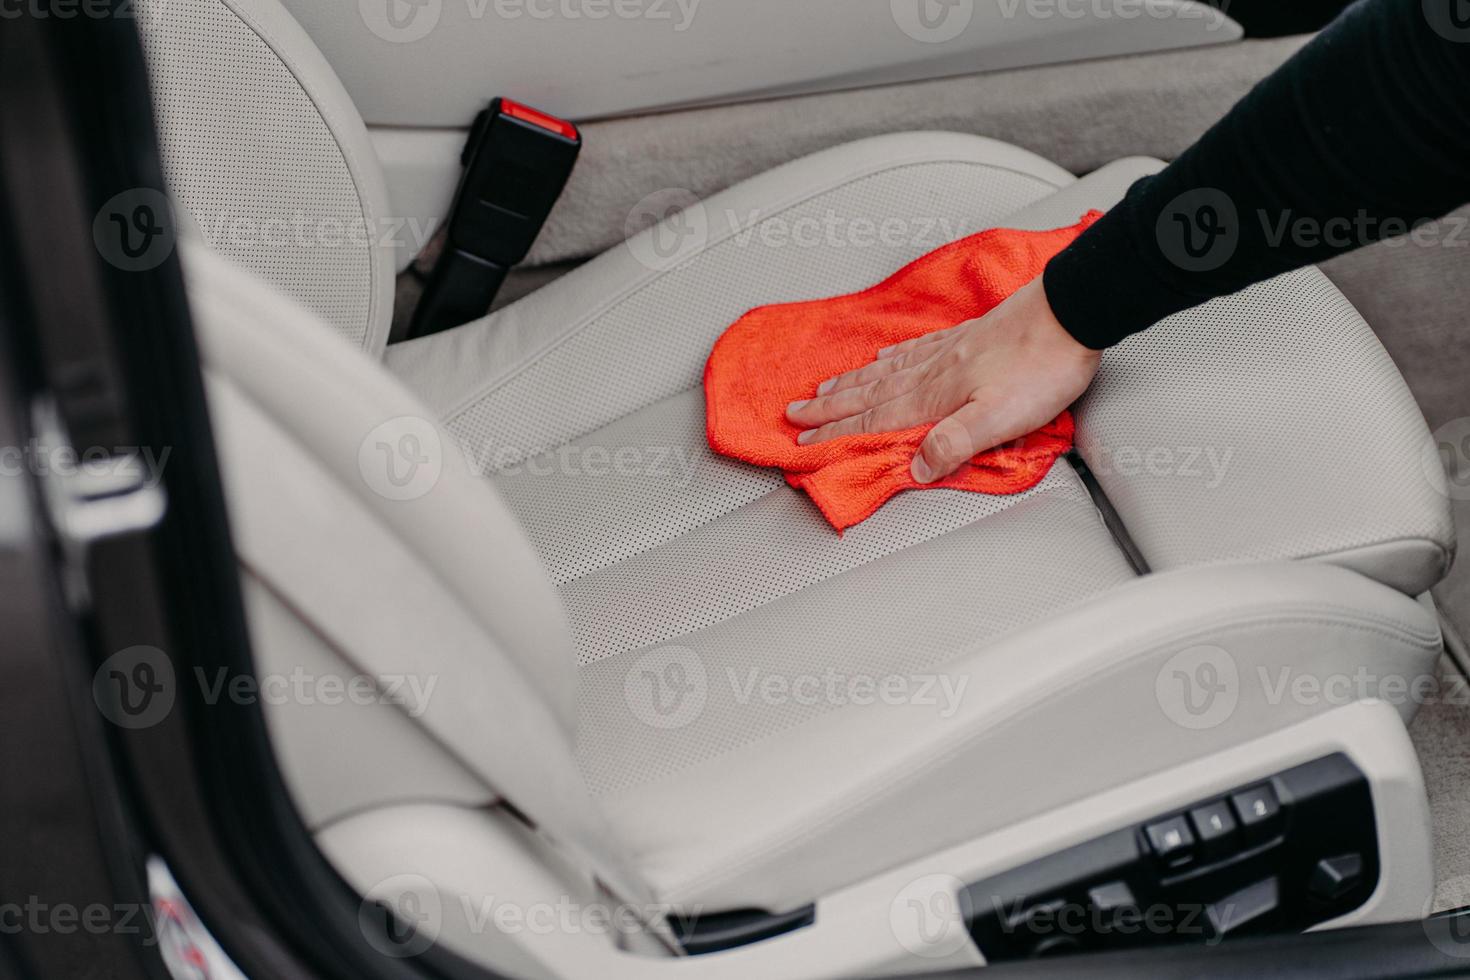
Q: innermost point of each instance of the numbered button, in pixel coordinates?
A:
(1256, 806)
(1214, 824)
(1170, 839)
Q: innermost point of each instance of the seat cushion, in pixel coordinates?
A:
(720, 624)
(763, 619)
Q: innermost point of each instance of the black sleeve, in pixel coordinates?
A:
(1361, 135)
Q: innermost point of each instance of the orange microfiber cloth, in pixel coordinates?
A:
(775, 355)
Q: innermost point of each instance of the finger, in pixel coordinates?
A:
(925, 340)
(971, 430)
(874, 371)
(866, 374)
(914, 408)
(854, 401)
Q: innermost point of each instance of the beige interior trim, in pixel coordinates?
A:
(1081, 116)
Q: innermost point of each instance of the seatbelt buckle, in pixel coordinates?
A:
(516, 163)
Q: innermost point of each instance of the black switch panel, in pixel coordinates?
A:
(1276, 855)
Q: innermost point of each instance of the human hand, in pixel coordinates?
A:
(985, 382)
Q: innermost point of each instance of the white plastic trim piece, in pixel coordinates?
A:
(869, 928)
(189, 951)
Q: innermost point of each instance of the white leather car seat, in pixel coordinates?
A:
(1262, 455)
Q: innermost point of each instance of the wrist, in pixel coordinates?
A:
(1043, 319)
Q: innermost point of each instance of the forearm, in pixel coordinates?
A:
(1363, 133)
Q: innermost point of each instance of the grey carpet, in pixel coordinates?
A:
(1080, 115)
(1416, 294)
(1441, 733)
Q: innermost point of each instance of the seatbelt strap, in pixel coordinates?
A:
(516, 162)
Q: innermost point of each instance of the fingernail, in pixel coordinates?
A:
(797, 406)
(921, 470)
(826, 386)
(806, 436)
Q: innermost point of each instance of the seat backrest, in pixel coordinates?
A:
(362, 522)
(268, 160)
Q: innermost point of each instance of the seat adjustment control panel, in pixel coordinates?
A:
(1279, 854)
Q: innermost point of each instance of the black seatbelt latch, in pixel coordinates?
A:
(516, 162)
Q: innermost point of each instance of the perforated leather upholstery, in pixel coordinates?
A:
(267, 159)
(668, 661)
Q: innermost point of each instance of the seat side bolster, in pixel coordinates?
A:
(348, 416)
(1266, 425)
(1152, 674)
(299, 415)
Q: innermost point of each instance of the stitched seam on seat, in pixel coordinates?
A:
(1066, 493)
(1408, 539)
(593, 431)
(668, 541)
(1329, 556)
(657, 544)
(410, 543)
(1000, 634)
(725, 870)
(1076, 520)
(490, 386)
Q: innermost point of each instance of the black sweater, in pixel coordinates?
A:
(1362, 135)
